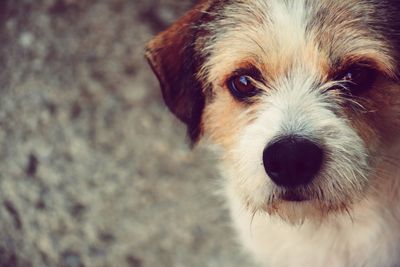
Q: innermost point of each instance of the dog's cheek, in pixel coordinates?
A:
(386, 119)
(233, 126)
(250, 179)
(364, 127)
(223, 119)
(378, 123)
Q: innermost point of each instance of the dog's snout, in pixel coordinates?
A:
(292, 161)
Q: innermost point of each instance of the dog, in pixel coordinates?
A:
(303, 99)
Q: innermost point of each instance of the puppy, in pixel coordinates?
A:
(303, 98)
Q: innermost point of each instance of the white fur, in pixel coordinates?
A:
(370, 238)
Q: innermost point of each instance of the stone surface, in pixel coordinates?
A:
(94, 171)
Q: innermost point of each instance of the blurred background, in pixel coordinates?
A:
(94, 171)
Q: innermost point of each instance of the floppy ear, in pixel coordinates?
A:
(173, 57)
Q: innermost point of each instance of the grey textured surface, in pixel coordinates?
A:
(94, 171)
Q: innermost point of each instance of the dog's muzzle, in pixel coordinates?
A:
(292, 161)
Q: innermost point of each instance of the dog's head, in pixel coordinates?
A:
(302, 95)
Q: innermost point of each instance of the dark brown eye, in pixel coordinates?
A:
(242, 87)
(358, 78)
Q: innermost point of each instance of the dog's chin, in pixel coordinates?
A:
(291, 196)
(295, 208)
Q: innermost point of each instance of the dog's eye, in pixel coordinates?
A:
(358, 78)
(242, 87)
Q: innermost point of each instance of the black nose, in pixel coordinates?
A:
(292, 161)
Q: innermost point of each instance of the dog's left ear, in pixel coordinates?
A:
(174, 59)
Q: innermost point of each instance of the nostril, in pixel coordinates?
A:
(292, 161)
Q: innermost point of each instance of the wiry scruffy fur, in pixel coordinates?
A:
(351, 216)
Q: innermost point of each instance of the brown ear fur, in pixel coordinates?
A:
(175, 61)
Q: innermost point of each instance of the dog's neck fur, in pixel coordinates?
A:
(367, 236)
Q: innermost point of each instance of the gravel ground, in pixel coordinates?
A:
(94, 171)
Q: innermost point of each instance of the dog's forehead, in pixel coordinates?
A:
(276, 35)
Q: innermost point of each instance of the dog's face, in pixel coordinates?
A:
(302, 95)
